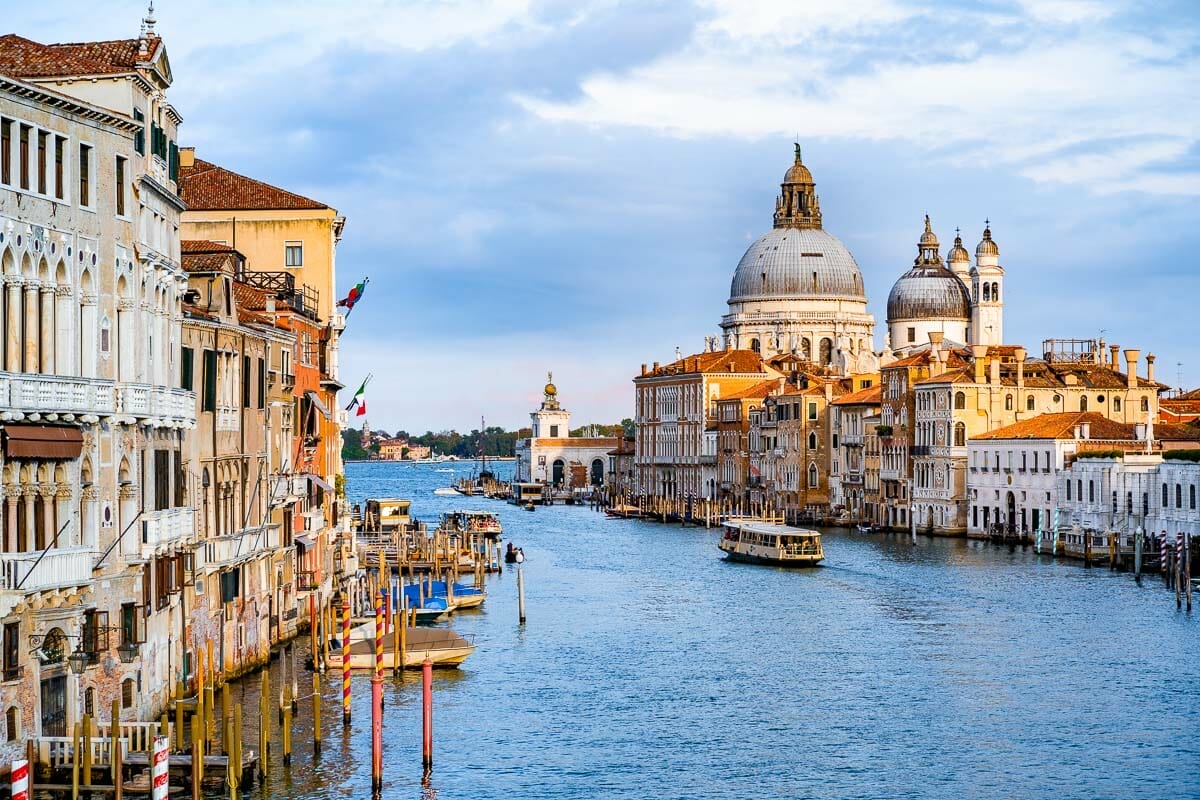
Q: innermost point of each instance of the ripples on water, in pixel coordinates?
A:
(652, 668)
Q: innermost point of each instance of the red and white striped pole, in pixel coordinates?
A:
(377, 702)
(20, 780)
(427, 713)
(160, 768)
(346, 661)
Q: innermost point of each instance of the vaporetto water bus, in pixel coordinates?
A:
(759, 541)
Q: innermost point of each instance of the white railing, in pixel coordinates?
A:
(61, 567)
(314, 520)
(146, 400)
(55, 394)
(227, 418)
(165, 528)
(221, 551)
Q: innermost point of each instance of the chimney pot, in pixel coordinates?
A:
(643, 369)
(656, 366)
(1150, 367)
(1131, 361)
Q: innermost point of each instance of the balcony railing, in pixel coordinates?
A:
(53, 394)
(162, 529)
(62, 567)
(222, 551)
(314, 520)
(227, 418)
(147, 400)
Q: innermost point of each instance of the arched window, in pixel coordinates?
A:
(1008, 402)
(755, 346)
(1166, 500)
(1192, 497)
(1091, 491)
(1083, 403)
(826, 351)
(127, 693)
(960, 435)
(1030, 404)
(1145, 404)
(1116, 404)
(1179, 495)
(960, 400)
(996, 292)
(987, 292)
(812, 441)
(812, 476)
(12, 719)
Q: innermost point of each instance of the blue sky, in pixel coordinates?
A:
(568, 186)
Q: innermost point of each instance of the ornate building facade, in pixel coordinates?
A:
(551, 455)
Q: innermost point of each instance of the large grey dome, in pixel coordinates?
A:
(929, 291)
(797, 263)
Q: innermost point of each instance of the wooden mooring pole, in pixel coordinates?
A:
(346, 662)
(316, 700)
(427, 713)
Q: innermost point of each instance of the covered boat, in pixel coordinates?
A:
(757, 541)
(442, 646)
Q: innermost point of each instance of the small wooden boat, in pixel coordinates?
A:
(862, 528)
(442, 646)
(623, 512)
(756, 541)
(529, 507)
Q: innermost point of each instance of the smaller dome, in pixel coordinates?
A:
(986, 246)
(928, 238)
(958, 252)
(928, 291)
(551, 389)
(797, 172)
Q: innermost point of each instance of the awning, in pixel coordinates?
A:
(316, 401)
(305, 540)
(42, 441)
(319, 481)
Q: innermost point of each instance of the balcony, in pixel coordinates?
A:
(52, 394)
(919, 450)
(157, 402)
(165, 529)
(226, 418)
(62, 567)
(224, 551)
(314, 520)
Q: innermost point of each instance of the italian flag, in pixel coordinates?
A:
(360, 400)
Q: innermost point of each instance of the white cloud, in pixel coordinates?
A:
(763, 70)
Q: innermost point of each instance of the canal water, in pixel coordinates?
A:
(652, 668)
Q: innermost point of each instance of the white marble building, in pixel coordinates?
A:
(551, 455)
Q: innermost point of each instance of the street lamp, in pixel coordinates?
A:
(78, 660)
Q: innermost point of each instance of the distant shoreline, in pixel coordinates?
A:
(453, 461)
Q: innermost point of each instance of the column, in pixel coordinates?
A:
(31, 334)
(47, 330)
(12, 360)
(65, 342)
(47, 494)
(12, 495)
(29, 495)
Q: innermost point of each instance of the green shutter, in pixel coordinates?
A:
(210, 380)
(185, 369)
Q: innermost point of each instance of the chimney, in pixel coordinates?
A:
(828, 391)
(1020, 355)
(1114, 362)
(1131, 361)
(1150, 367)
(1139, 431)
(994, 371)
(1101, 354)
(643, 369)
(187, 157)
(979, 356)
(655, 366)
(728, 344)
(1085, 430)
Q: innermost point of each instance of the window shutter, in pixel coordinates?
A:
(210, 380)
(101, 628)
(246, 382)
(262, 383)
(185, 368)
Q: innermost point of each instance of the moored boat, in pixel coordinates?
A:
(442, 646)
(757, 541)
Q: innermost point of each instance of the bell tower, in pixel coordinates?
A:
(987, 292)
(551, 421)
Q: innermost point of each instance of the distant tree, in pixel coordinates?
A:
(352, 449)
(627, 427)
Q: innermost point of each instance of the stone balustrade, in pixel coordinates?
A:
(62, 567)
(54, 394)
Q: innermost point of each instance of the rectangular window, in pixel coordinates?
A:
(60, 164)
(119, 180)
(94, 634)
(293, 254)
(12, 651)
(246, 382)
(912, 334)
(210, 381)
(262, 383)
(186, 368)
(23, 155)
(812, 411)
(139, 138)
(162, 480)
(553, 431)
(85, 175)
(42, 139)
(6, 151)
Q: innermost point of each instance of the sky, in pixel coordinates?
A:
(568, 186)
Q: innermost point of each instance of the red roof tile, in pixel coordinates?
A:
(758, 391)
(203, 246)
(208, 262)
(872, 395)
(725, 361)
(25, 58)
(1062, 426)
(206, 187)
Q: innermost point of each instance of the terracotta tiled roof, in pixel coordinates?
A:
(1062, 426)
(1194, 394)
(25, 58)
(203, 246)
(248, 297)
(950, 376)
(871, 395)
(741, 361)
(207, 262)
(1177, 432)
(206, 187)
(758, 391)
(577, 441)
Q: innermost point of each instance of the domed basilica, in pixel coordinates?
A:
(798, 291)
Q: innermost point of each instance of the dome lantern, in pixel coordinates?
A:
(798, 205)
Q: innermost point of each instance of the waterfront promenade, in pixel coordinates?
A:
(652, 668)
